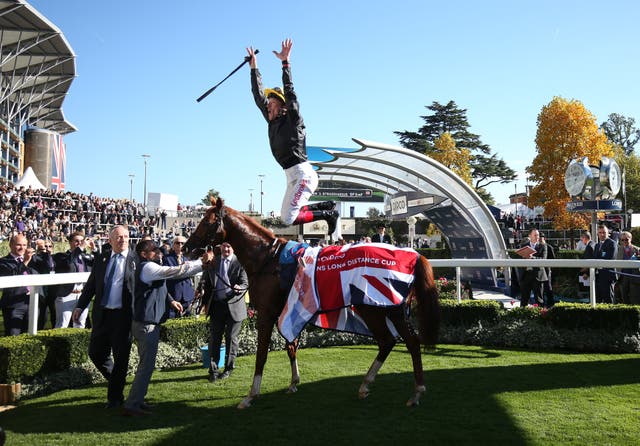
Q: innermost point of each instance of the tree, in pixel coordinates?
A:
(207, 198)
(631, 191)
(566, 131)
(621, 131)
(374, 213)
(446, 152)
(485, 168)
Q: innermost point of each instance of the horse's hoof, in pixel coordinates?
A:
(362, 395)
(413, 402)
(292, 389)
(244, 404)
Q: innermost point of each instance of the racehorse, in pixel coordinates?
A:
(258, 251)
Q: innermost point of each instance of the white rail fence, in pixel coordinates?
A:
(39, 280)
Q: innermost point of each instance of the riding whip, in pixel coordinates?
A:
(210, 90)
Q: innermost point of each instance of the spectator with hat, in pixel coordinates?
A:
(381, 236)
(181, 289)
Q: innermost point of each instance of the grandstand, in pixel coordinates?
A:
(37, 67)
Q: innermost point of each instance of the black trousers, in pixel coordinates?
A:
(109, 350)
(222, 323)
(531, 283)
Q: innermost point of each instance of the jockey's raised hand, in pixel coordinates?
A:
(253, 61)
(283, 55)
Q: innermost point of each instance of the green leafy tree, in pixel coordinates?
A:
(621, 131)
(374, 213)
(486, 168)
(207, 198)
(631, 191)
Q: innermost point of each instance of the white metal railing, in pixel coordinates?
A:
(37, 281)
(592, 264)
(40, 280)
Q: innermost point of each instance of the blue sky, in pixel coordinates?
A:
(362, 69)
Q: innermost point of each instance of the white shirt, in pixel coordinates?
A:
(152, 271)
(115, 294)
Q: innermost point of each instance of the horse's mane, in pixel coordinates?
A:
(249, 226)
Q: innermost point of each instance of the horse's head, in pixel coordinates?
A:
(209, 232)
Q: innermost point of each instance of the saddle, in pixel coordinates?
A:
(290, 257)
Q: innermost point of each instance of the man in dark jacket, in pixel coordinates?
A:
(605, 249)
(74, 260)
(15, 301)
(149, 311)
(287, 138)
(225, 284)
(112, 283)
(533, 278)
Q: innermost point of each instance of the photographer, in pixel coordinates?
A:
(74, 260)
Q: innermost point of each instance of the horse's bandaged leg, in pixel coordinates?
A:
(253, 393)
(363, 392)
(295, 377)
(415, 399)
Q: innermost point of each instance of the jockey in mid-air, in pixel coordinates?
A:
(287, 138)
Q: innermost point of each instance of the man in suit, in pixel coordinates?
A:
(74, 260)
(44, 264)
(180, 289)
(629, 279)
(381, 236)
(112, 282)
(605, 249)
(225, 284)
(533, 278)
(15, 301)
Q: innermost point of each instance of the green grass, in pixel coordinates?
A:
(474, 396)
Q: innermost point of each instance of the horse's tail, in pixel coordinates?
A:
(428, 306)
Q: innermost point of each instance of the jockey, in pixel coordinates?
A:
(287, 138)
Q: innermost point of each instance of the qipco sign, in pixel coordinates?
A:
(398, 205)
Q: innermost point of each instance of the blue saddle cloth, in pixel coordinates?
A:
(289, 256)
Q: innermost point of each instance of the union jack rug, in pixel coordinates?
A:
(333, 279)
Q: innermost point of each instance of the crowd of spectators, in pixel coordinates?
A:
(54, 215)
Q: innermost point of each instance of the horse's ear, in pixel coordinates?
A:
(219, 203)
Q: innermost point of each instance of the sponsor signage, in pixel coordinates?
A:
(348, 194)
(594, 205)
(404, 204)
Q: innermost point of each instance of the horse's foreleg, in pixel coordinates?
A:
(264, 337)
(292, 350)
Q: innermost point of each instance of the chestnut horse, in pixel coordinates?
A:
(258, 251)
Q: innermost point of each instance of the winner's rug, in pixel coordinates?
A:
(334, 278)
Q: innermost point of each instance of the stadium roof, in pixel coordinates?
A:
(37, 66)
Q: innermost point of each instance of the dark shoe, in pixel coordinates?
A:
(322, 206)
(134, 412)
(113, 404)
(147, 406)
(226, 373)
(213, 377)
(331, 217)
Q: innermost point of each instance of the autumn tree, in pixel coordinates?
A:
(446, 152)
(486, 168)
(566, 131)
(621, 131)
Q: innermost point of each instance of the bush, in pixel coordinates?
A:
(22, 355)
(468, 312)
(66, 347)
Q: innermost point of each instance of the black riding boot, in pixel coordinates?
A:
(331, 217)
(322, 206)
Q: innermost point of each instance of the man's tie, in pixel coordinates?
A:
(108, 281)
(20, 259)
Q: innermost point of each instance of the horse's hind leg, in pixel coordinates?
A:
(413, 345)
(376, 323)
(292, 349)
